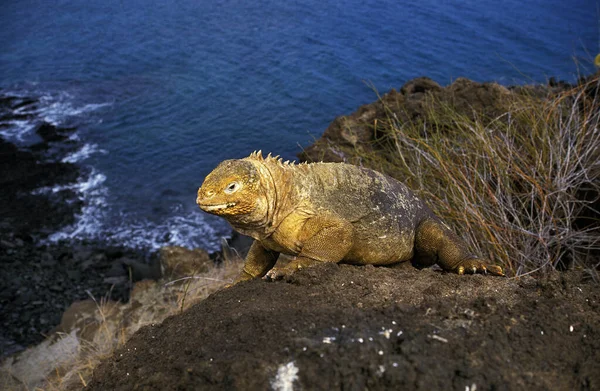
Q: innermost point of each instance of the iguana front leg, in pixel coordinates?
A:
(258, 261)
(323, 238)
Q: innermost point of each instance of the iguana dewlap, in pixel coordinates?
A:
(329, 212)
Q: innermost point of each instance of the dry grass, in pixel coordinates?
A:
(114, 323)
(522, 188)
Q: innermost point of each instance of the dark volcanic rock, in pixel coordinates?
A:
(353, 328)
(360, 129)
(51, 133)
(22, 172)
(14, 108)
(40, 282)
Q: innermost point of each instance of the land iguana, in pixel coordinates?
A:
(329, 212)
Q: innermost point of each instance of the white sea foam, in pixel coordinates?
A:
(56, 110)
(17, 129)
(88, 187)
(83, 153)
(93, 194)
(53, 108)
(190, 232)
(97, 222)
(178, 230)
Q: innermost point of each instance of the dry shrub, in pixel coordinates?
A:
(522, 188)
(113, 324)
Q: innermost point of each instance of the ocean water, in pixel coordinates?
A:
(162, 91)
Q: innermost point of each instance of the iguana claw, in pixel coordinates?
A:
(274, 274)
(473, 266)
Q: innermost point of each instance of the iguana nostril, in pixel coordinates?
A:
(203, 195)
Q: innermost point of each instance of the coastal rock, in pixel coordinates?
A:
(360, 130)
(25, 210)
(41, 281)
(469, 97)
(15, 108)
(420, 85)
(139, 270)
(92, 328)
(52, 133)
(350, 327)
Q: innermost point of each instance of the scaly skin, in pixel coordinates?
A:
(329, 212)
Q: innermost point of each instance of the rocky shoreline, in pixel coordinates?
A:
(40, 279)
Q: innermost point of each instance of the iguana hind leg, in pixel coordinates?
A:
(435, 243)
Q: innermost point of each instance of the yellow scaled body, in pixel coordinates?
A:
(329, 212)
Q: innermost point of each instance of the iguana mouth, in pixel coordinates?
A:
(210, 208)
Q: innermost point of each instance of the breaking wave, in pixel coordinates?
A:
(97, 219)
(98, 222)
(37, 107)
(83, 153)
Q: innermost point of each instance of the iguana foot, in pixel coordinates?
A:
(299, 262)
(244, 276)
(475, 265)
(277, 273)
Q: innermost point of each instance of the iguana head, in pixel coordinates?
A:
(234, 190)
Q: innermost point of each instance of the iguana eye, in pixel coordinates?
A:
(232, 187)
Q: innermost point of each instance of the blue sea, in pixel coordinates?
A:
(162, 91)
